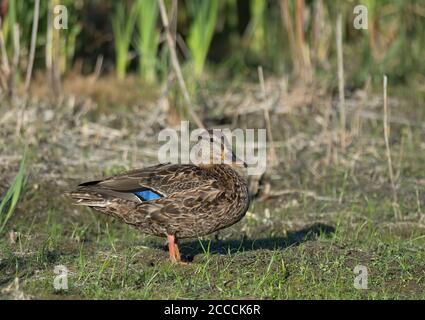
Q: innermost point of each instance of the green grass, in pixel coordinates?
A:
(313, 259)
(258, 11)
(204, 14)
(148, 38)
(123, 22)
(318, 268)
(301, 245)
(10, 200)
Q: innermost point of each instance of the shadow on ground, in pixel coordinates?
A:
(190, 249)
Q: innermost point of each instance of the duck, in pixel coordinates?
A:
(174, 200)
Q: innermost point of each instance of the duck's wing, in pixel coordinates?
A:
(180, 214)
(152, 183)
(164, 179)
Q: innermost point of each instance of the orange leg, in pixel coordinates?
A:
(173, 249)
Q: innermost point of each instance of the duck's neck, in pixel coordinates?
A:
(234, 183)
(221, 167)
(227, 173)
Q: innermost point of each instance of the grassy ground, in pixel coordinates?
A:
(327, 211)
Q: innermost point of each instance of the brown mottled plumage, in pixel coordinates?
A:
(194, 200)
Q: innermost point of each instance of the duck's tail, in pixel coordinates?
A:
(89, 196)
(93, 194)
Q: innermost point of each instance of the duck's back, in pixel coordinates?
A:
(183, 200)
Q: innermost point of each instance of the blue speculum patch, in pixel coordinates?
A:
(147, 195)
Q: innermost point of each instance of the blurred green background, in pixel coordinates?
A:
(228, 37)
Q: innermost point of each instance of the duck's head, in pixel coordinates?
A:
(213, 148)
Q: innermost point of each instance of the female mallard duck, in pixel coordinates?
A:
(175, 200)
